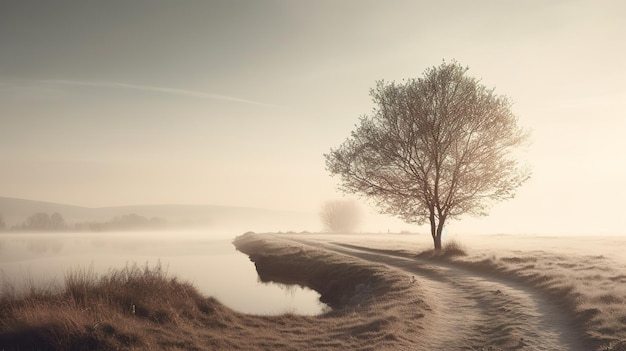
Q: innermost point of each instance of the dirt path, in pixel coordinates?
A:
(475, 312)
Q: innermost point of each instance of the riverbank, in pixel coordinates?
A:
(141, 308)
(385, 295)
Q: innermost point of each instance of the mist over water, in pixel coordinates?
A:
(209, 261)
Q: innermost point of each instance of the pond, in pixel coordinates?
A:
(210, 263)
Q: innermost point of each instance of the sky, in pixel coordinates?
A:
(106, 103)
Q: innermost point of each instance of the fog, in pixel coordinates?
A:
(180, 104)
(207, 260)
(609, 246)
(155, 132)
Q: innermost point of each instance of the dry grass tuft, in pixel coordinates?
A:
(452, 248)
(90, 312)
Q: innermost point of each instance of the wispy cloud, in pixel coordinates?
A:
(161, 90)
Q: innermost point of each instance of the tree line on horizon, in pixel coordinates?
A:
(42, 221)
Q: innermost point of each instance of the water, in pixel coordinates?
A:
(212, 265)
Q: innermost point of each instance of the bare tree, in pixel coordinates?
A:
(340, 216)
(37, 221)
(43, 221)
(57, 222)
(434, 148)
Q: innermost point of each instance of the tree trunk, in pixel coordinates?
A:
(437, 240)
(436, 230)
(433, 231)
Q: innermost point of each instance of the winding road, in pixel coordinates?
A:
(474, 311)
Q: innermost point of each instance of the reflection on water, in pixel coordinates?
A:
(211, 265)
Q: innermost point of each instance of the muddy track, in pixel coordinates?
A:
(472, 311)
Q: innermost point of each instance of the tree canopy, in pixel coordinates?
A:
(434, 148)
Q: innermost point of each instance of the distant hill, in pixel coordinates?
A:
(15, 211)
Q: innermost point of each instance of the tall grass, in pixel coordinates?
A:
(91, 312)
(451, 248)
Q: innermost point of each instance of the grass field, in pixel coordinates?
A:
(386, 293)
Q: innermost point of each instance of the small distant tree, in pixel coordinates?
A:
(37, 221)
(57, 222)
(340, 216)
(434, 148)
(43, 221)
(2, 224)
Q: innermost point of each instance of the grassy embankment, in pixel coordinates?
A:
(591, 289)
(143, 308)
(375, 308)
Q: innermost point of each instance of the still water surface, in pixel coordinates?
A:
(211, 264)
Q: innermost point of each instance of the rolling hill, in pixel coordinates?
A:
(15, 211)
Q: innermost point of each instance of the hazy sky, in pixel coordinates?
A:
(235, 102)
